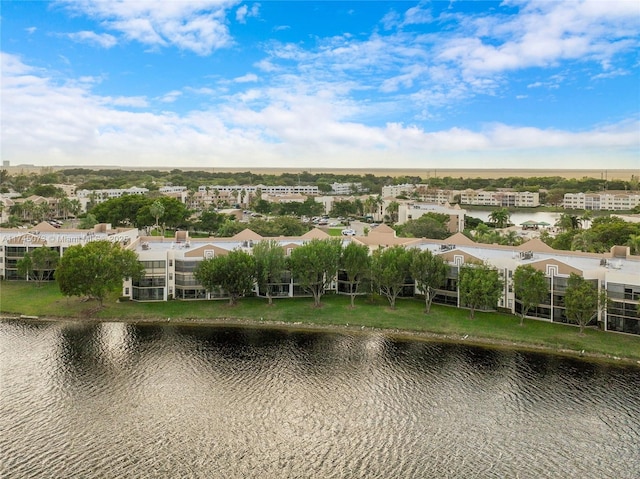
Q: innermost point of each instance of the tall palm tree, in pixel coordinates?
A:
(500, 217)
(586, 217)
(568, 222)
(64, 207)
(28, 210)
(634, 244)
(511, 238)
(392, 210)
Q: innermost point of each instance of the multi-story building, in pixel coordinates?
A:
(15, 243)
(610, 201)
(391, 191)
(502, 198)
(170, 266)
(412, 211)
(346, 188)
(277, 190)
(100, 196)
(437, 196)
(172, 189)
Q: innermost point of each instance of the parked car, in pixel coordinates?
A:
(348, 232)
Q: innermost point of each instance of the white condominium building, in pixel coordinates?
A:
(611, 200)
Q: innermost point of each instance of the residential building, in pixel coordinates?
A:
(346, 188)
(501, 198)
(277, 190)
(412, 211)
(100, 196)
(391, 191)
(609, 201)
(170, 266)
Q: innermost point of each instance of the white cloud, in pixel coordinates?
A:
(31, 30)
(243, 12)
(198, 26)
(542, 34)
(171, 96)
(127, 101)
(248, 78)
(417, 15)
(296, 124)
(101, 39)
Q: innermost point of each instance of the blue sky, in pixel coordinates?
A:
(363, 84)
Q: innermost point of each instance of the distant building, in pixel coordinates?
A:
(412, 211)
(610, 201)
(391, 191)
(277, 190)
(502, 198)
(100, 196)
(346, 188)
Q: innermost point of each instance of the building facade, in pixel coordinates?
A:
(170, 265)
(610, 201)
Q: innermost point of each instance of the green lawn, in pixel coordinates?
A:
(25, 298)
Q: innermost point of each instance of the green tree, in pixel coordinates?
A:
(355, 262)
(64, 207)
(500, 217)
(430, 225)
(96, 269)
(582, 301)
(88, 222)
(270, 265)
(479, 286)
(39, 264)
(210, 221)
(314, 265)
(122, 211)
(175, 213)
(429, 271)
(157, 211)
(634, 244)
(510, 238)
(392, 210)
(234, 272)
(262, 206)
(530, 287)
(568, 222)
(390, 268)
(230, 228)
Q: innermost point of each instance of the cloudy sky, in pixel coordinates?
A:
(362, 84)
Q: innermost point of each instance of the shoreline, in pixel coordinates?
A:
(343, 329)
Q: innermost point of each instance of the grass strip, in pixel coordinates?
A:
(490, 328)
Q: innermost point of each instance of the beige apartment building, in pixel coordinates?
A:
(170, 266)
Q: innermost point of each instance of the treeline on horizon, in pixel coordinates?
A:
(89, 179)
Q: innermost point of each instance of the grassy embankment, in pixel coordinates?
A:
(20, 298)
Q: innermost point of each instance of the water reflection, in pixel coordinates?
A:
(119, 400)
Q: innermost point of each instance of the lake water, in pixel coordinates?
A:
(114, 400)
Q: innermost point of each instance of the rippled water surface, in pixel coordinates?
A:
(114, 400)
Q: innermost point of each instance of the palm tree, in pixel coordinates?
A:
(568, 222)
(500, 217)
(42, 211)
(28, 210)
(75, 207)
(64, 206)
(392, 209)
(634, 244)
(481, 230)
(511, 238)
(586, 217)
